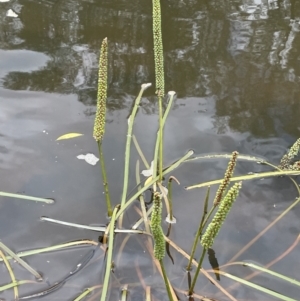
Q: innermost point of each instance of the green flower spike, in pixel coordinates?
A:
(157, 232)
(220, 216)
(99, 124)
(228, 174)
(158, 48)
(285, 162)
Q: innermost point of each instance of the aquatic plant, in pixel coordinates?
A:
(158, 48)
(215, 225)
(99, 124)
(223, 202)
(159, 76)
(228, 175)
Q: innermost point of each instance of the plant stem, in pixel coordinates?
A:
(109, 254)
(160, 138)
(248, 177)
(161, 127)
(12, 275)
(20, 261)
(170, 198)
(166, 280)
(13, 284)
(128, 144)
(191, 289)
(200, 228)
(105, 183)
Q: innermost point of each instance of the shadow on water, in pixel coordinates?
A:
(235, 68)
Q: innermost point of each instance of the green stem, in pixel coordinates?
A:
(105, 182)
(191, 289)
(128, 144)
(142, 201)
(208, 216)
(85, 293)
(199, 232)
(13, 284)
(166, 280)
(20, 261)
(11, 273)
(109, 253)
(54, 248)
(161, 127)
(248, 177)
(26, 197)
(160, 139)
(138, 148)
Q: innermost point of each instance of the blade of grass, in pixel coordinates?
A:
(86, 292)
(11, 274)
(257, 287)
(200, 227)
(248, 177)
(26, 197)
(53, 248)
(109, 254)
(21, 261)
(270, 272)
(93, 228)
(13, 284)
(139, 150)
(267, 266)
(141, 197)
(155, 157)
(228, 156)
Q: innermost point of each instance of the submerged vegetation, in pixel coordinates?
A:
(157, 242)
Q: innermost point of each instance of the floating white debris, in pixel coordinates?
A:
(168, 219)
(148, 172)
(4, 0)
(89, 158)
(11, 13)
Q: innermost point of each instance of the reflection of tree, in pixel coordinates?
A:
(243, 52)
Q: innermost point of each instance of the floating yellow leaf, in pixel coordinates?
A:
(69, 136)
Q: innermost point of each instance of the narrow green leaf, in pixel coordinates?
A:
(26, 197)
(258, 287)
(248, 177)
(282, 277)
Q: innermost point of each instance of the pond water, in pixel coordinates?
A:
(235, 66)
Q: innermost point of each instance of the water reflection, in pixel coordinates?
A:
(244, 53)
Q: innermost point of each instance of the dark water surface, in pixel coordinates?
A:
(235, 66)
